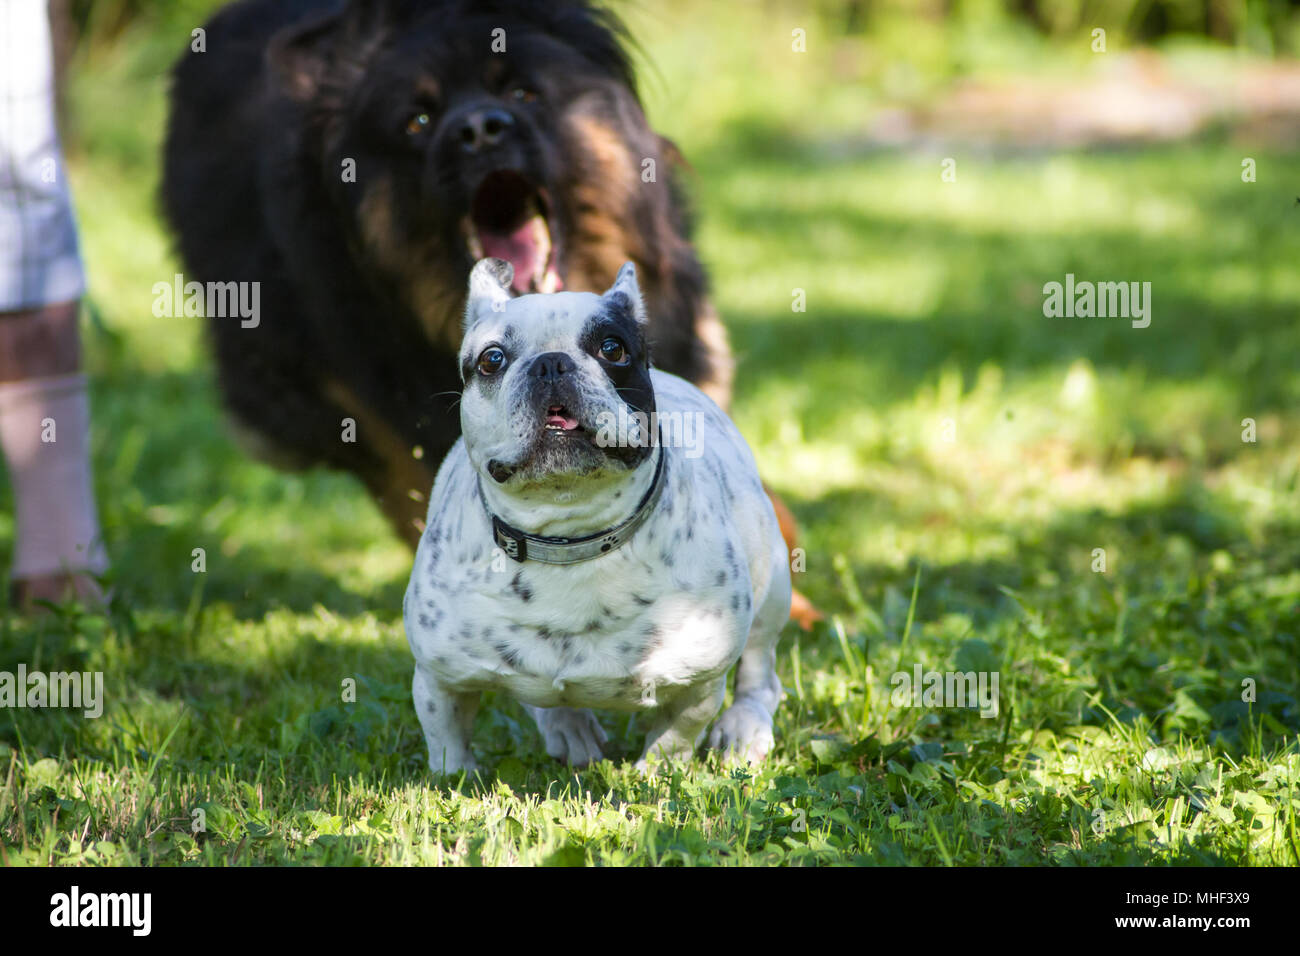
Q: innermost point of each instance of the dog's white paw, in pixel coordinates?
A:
(743, 730)
(574, 736)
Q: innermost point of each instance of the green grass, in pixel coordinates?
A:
(955, 458)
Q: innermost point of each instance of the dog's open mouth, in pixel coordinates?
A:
(558, 419)
(509, 218)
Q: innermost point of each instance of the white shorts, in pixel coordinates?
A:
(39, 260)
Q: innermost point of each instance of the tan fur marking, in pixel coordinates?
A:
(711, 331)
(402, 473)
(601, 198)
(436, 301)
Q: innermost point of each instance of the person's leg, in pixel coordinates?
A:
(44, 416)
(44, 433)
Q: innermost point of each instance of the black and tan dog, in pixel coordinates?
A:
(356, 158)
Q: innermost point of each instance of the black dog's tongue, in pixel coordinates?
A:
(523, 248)
(508, 221)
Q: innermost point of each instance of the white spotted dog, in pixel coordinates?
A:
(575, 557)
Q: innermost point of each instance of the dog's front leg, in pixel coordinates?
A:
(447, 718)
(679, 725)
(745, 728)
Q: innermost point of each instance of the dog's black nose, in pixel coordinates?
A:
(549, 366)
(483, 128)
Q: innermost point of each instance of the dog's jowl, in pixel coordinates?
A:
(579, 566)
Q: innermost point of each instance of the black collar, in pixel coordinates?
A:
(523, 546)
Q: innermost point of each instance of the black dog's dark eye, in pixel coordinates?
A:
(522, 94)
(491, 361)
(612, 351)
(417, 124)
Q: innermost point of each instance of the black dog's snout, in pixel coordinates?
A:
(483, 128)
(550, 366)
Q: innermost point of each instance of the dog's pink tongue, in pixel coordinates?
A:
(555, 416)
(519, 248)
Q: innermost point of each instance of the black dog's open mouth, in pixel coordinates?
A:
(509, 218)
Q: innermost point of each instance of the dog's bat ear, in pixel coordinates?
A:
(489, 288)
(625, 294)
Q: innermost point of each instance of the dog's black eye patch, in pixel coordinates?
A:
(615, 320)
(618, 303)
(632, 377)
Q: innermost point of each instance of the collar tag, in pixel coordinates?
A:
(515, 546)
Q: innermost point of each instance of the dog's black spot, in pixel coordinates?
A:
(509, 655)
(523, 591)
(616, 319)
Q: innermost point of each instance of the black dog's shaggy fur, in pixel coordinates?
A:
(452, 142)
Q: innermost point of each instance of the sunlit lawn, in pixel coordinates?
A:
(935, 433)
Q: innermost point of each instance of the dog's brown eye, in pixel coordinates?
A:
(417, 124)
(491, 361)
(523, 95)
(612, 351)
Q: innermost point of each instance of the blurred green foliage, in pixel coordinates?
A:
(1264, 26)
